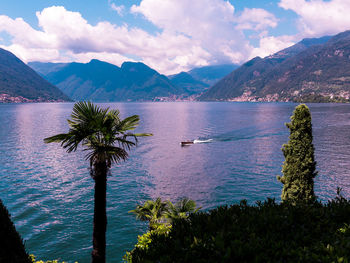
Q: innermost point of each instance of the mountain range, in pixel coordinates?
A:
(101, 81)
(19, 83)
(311, 70)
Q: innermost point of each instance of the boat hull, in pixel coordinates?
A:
(186, 143)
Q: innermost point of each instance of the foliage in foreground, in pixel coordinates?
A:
(158, 212)
(144, 240)
(33, 260)
(11, 244)
(299, 167)
(266, 232)
(160, 215)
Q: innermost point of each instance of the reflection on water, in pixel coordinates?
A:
(168, 163)
(332, 150)
(50, 193)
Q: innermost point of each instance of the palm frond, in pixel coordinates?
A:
(109, 153)
(186, 205)
(129, 123)
(181, 209)
(114, 114)
(57, 138)
(142, 134)
(123, 142)
(86, 111)
(100, 132)
(152, 210)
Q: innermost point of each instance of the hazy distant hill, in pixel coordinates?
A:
(200, 79)
(186, 81)
(311, 70)
(45, 68)
(19, 83)
(101, 81)
(212, 74)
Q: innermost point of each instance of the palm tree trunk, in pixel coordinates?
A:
(100, 215)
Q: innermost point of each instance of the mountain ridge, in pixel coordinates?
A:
(301, 71)
(20, 83)
(101, 81)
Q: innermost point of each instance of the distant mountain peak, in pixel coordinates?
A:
(212, 73)
(130, 64)
(94, 60)
(315, 41)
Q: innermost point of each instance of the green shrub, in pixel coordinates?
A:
(11, 245)
(144, 240)
(266, 232)
(32, 257)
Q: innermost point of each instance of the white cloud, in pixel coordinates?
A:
(119, 9)
(186, 17)
(23, 33)
(64, 32)
(256, 19)
(190, 35)
(28, 54)
(208, 23)
(318, 17)
(269, 45)
(112, 58)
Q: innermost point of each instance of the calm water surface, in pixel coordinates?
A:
(50, 194)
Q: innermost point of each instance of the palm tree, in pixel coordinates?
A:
(181, 209)
(159, 212)
(106, 138)
(152, 211)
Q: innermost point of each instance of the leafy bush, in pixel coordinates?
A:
(144, 240)
(266, 232)
(11, 245)
(32, 257)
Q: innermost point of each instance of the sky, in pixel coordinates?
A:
(168, 35)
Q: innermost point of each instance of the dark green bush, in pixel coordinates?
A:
(144, 240)
(266, 232)
(11, 245)
(33, 260)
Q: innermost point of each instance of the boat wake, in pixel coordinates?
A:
(240, 134)
(202, 141)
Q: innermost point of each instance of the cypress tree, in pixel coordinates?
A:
(12, 249)
(299, 167)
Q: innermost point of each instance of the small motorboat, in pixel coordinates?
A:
(186, 143)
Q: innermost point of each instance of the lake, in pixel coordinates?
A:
(50, 193)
